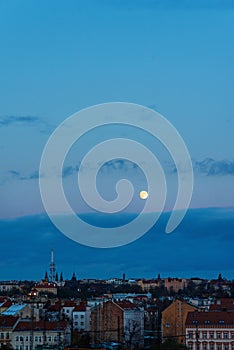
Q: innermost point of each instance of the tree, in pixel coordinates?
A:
(132, 334)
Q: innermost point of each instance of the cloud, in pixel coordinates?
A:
(211, 167)
(18, 176)
(68, 171)
(28, 120)
(202, 245)
(207, 167)
(18, 120)
(119, 164)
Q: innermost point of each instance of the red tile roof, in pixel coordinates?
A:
(55, 307)
(41, 325)
(125, 305)
(210, 318)
(8, 321)
(81, 307)
(223, 304)
(7, 303)
(69, 303)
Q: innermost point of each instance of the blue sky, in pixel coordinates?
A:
(58, 57)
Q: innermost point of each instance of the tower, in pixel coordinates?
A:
(52, 267)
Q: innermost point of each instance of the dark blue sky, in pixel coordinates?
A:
(201, 246)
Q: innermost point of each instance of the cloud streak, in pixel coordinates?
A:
(211, 167)
(18, 176)
(207, 167)
(25, 121)
(18, 120)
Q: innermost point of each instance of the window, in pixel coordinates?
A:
(204, 346)
(204, 335)
(225, 335)
(75, 316)
(190, 346)
(232, 335)
(226, 347)
(75, 323)
(21, 338)
(232, 346)
(17, 338)
(49, 338)
(26, 338)
(7, 336)
(55, 339)
(82, 316)
(190, 335)
(211, 346)
(39, 339)
(219, 347)
(218, 336)
(2, 335)
(211, 335)
(81, 323)
(36, 338)
(168, 325)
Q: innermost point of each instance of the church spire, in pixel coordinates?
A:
(52, 267)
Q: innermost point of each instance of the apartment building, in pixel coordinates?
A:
(174, 318)
(118, 321)
(210, 330)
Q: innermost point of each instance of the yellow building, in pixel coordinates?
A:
(175, 284)
(174, 318)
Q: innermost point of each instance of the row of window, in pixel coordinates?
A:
(36, 338)
(77, 316)
(4, 336)
(211, 346)
(77, 323)
(211, 335)
(21, 347)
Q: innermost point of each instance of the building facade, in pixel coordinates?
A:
(29, 335)
(118, 321)
(173, 320)
(210, 330)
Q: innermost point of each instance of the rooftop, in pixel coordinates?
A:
(210, 318)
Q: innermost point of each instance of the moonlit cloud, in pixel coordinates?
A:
(211, 167)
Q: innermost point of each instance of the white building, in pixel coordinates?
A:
(212, 330)
(27, 335)
(67, 309)
(82, 317)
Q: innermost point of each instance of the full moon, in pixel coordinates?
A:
(144, 195)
